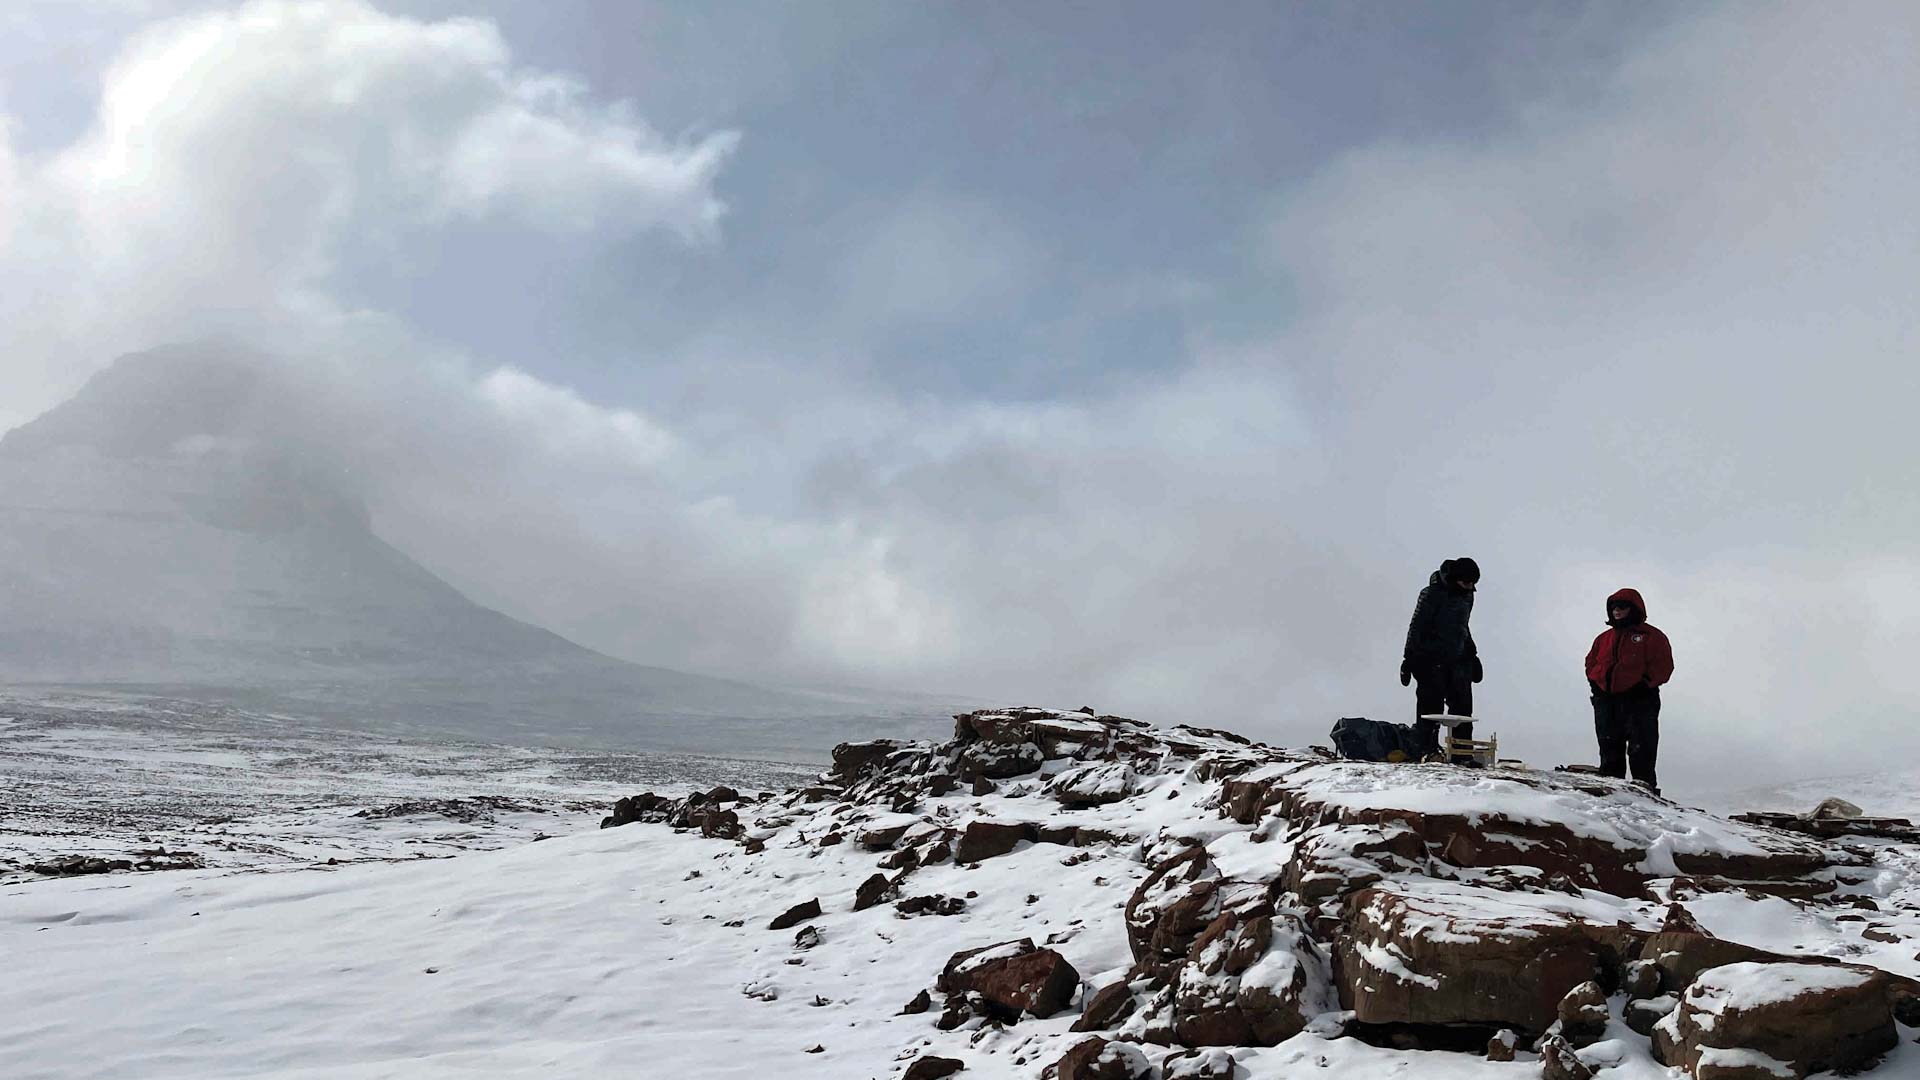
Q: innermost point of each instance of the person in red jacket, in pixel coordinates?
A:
(1626, 667)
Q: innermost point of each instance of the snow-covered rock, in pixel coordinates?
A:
(1788, 1018)
(1283, 894)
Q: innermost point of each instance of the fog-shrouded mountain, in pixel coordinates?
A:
(177, 527)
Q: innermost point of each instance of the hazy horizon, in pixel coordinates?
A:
(1124, 358)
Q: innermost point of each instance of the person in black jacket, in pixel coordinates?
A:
(1440, 653)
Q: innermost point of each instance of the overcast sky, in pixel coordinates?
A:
(1067, 353)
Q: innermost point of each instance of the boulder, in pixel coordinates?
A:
(1095, 785)
(716, 823)
(872, 891)
(931, 905)
(982, 840)
(1199, 1065)
(884, 837)
(1433, 953)
(1330, 861)
(1641, 1014)
(1172, 906)
(1583, 1014)
(998, 761)
(852, 760)
(1108, 1006)
(1098, 1059)
(631, 808)
(1502, 1045)
(1681, 950)
(1642, 980)
(928, 1067)
(1289, 984)
(959, 1009)
(1559, 1061)
(1014, 977)
(1806, 1017)
(796, 915)
(1247, 979)
(76, 865)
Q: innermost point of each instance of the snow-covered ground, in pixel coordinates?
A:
(1894, 793)
(111, 776)
(633, 951)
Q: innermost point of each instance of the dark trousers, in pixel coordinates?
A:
(1441, 688)
(1628, 727)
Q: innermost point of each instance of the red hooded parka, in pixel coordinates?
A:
(1629, 653)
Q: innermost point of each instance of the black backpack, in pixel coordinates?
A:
(1357, 738)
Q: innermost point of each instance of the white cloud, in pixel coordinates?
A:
(238, 156)
(573, 428)
(1657, 336)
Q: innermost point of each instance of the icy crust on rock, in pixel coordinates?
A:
(1456, 912)
(1755, 985)
(1741, 1058)
(1615, 816)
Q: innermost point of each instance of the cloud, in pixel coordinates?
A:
(1650, 328)
(239, 157)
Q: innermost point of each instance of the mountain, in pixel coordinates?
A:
(180, 527)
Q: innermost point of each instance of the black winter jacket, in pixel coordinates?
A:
(1438, 632)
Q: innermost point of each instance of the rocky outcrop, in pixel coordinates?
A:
(1269, 892)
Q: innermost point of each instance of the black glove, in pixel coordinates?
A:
(1406, 673)
(1474, 669)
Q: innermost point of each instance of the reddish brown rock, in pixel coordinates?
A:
(884, 837)
(1331, 861)
(717, 823)
(1682, 950)
(999, 761)
(1098, 1059)
(1510, 964)
(1172, 906)
(643, 807)
(1095, 785)
(872, 891)
(1054, 834)
(933, 904)
(929, 1067)
(986, 839)
(1502, 1045)
(851, 760)
(1583, 1014)
(1641, 1014)
(1199, 1065)
(796, 915)
(1108, 1006)
(1014, 976)
(1811, 1018)
(1559, 1061)
(1286, 987)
